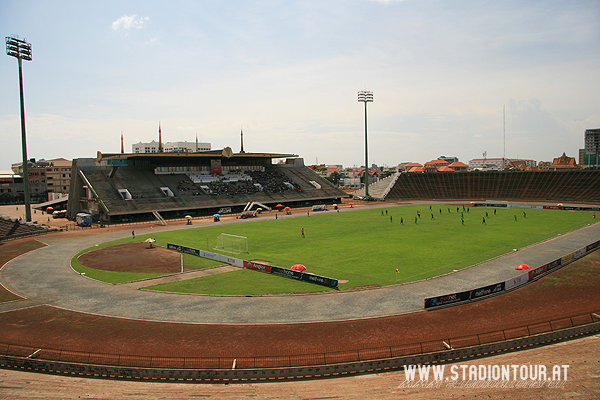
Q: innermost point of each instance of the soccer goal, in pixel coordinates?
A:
(232, 243)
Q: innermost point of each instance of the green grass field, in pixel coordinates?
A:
(365, 247)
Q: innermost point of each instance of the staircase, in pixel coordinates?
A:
(380, 189)
(160, 220)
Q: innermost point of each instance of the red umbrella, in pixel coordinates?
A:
(298, 267)
(279, 206)
(522, 266)
(287, 208)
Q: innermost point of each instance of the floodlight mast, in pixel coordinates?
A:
(366, 97)
(21, 50)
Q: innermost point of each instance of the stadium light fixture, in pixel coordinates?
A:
(21, 50)
(366, 97)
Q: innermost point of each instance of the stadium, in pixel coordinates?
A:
(138, 187)
(59, 321)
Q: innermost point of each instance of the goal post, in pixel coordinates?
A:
(232, 243)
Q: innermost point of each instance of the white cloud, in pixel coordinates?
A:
(128, 22)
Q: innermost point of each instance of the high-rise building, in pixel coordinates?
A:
(58, 175)
(592, 147)
(449, 160)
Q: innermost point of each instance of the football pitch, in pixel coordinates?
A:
(367, 247)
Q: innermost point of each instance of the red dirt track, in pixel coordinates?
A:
(569, 292)
(132, 257)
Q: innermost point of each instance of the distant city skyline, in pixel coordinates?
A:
(288, 74)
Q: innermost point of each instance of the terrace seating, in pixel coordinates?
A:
(12, 226)
(139, 190)
(525, 185)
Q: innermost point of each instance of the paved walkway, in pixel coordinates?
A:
(44, 276)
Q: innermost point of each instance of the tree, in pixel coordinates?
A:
(387, 173)
(335, 178)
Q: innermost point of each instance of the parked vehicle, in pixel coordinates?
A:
(59, 214)
(84, 219)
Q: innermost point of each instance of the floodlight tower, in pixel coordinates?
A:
(21, 50)
(366, 97)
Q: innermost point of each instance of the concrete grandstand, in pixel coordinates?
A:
(574, 186)
(138, 187)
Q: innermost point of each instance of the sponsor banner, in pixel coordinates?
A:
(524, 206)
(447, 299)
(191, 251)
(286, 272)
(568, 258)
(206, 254)
(553, 207)
(516, 281)
(592, 246)
(572, 256)
(580, 253)
(489, 205)
(117, 161)
(175, 247)
(183, 249)
(235, 261)
(212, 256)
(257, 266)
(487, 290)
(537, 272)
(320, 280)
(553, 264)
(215, 167)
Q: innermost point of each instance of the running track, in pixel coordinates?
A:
(44, 276)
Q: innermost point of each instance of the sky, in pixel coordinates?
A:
(287, 73)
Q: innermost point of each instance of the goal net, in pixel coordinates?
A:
(232, 243)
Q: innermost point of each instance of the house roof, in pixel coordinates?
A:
(417, 169)
(60, 161)
(458, 164)
(445, 168)
(436, 163)
(563, 161)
